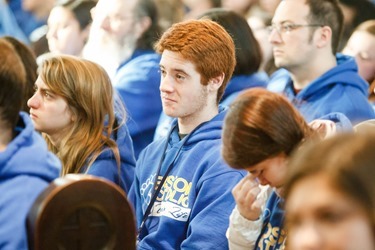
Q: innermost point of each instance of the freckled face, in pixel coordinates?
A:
(182, 93)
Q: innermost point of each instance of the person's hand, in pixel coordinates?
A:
(245, 194)
(325, 128)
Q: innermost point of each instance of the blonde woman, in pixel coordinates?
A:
(73, 106)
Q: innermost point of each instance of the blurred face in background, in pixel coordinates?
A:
(261, 33)
(361, 45)
(64, 33)
(319, 216)
(113, 34)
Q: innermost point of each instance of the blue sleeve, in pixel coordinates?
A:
(209, 219)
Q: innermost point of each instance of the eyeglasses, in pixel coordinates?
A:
(286, 28)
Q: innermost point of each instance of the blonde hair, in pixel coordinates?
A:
(88, 91)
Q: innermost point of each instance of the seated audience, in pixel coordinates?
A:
(75, 109)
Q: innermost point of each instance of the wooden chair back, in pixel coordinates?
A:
(79, 212)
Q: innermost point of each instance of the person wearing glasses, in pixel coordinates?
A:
(305, 35)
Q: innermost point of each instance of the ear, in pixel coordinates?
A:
(143, 24)
(324, 37)
(215, 83)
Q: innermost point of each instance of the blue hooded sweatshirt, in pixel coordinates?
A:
(193, 206)
(236, 85)
(340, 89)
(106, 166)
(137, 81)
(26, 169)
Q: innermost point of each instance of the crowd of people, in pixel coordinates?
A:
(244, 124)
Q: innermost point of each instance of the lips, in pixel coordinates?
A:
(167, 100)
(277, 52)
(32, 115)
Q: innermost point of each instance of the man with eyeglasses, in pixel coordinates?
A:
(305, 36)
(121, 40)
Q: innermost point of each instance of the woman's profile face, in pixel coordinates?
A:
(319, 216)
(49, 112)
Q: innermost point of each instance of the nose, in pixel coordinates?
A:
(274, 36)
(34, 101)
(165, 84)
(51, 33)
(105, 23)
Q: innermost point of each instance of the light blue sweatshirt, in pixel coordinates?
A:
(26, 169)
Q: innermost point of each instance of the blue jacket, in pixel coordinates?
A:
(106, 166)
(137, 81)
(272, 235)
(193, 207)
(26, 169)
(9, 25)
(235, 86)
(340, 89)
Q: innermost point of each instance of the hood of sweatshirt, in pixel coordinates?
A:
(345, 73)
(27, 154)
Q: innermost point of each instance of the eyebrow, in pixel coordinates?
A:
(175, 70)
(44, 89)
(285, 21)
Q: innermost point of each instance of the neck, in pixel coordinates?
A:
(305, 74)
(189, 123)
